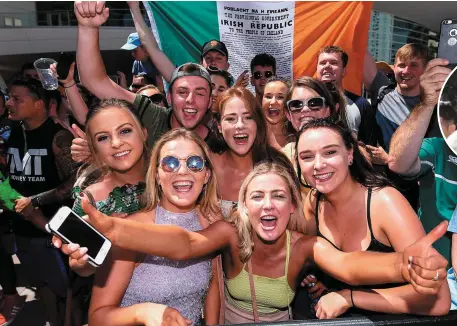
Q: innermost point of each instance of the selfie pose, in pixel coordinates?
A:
(264, 249)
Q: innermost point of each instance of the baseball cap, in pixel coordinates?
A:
(190, 69)
(214, 45)
(133, 41)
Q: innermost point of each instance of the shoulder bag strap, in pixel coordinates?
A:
(254, 301)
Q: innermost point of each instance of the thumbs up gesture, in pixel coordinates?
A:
(80, 151)
(423, 266)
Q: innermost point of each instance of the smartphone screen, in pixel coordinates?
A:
(78, 232)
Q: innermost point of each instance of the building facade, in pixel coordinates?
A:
(388, 33)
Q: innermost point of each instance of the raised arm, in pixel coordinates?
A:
(369, 70)
(77, 105)
(172, 242)
(91, 15)
(407, 139)
(158, 58)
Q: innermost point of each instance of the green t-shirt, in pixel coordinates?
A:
(438, 188)
(155, 119)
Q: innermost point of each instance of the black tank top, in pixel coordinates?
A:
(376, 246)
(31, 161)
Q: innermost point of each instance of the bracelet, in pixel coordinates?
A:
(35, 201)
(352, 300)
(70, 85)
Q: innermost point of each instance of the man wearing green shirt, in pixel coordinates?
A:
(189, 95)
(429, 159)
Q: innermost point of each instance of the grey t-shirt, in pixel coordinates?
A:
(393, 109)
(353, 116)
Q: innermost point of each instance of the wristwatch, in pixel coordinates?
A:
(35, 202)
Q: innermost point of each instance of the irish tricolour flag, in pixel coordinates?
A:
(293, 32)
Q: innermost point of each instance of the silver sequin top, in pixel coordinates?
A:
(182, 285)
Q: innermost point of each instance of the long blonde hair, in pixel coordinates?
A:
(207, 201)
(240, 217)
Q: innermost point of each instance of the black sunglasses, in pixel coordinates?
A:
(259, 74)
(194, 163)
(313, 103)
(157, 99)
(226, 74)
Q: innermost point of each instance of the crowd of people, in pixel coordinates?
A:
(302, 200)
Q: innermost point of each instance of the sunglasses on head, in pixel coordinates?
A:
(313, 103)
(157, 99)
(194, 163)
(223, 72)
(35, 86)
(259, 74)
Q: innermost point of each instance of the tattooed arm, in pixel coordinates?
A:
(66, 168)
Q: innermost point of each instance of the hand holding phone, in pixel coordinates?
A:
(73, 229)
(64, 63)
(447, 48)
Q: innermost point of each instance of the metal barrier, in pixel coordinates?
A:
(374, 320)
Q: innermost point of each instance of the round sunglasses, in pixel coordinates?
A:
(313, 103)
(259, 74)
(194, 163)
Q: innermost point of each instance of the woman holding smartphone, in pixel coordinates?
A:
(264, 250)
(117, 143)
(181, 190)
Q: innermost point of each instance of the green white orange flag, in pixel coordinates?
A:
(293, 32)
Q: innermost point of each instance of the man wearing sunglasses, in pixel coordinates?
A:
(41, 169)
(263, 66)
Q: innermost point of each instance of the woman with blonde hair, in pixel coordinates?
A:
(180, 190)
(263, 248)
(117, 144)
(280, 131)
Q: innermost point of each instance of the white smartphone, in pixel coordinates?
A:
(71, 228)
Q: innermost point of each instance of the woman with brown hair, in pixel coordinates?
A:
(357, 210)
(242, 123)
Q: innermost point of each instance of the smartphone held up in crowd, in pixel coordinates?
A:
(448, 41)
(72, 228)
